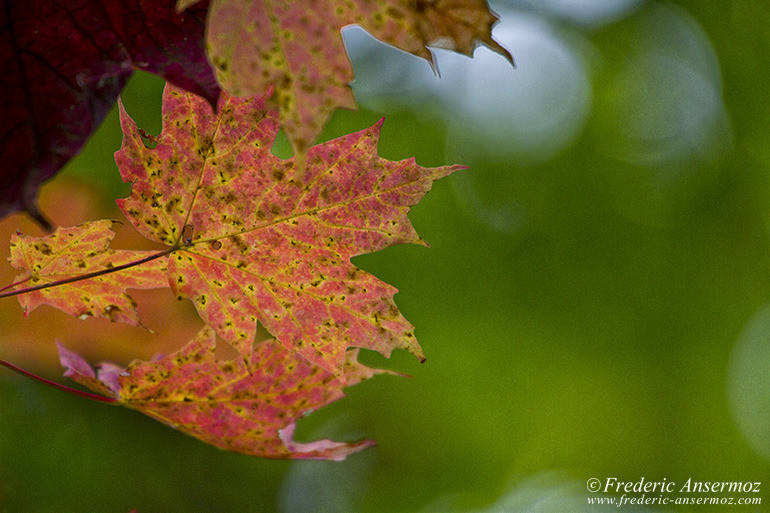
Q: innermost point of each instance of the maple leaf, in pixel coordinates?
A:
(223, 403)
(253, 241)
(70, 253)
(64, 64)
(297, 47)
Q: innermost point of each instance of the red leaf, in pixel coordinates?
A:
(225, 404)
(64, 64)
(254, 240)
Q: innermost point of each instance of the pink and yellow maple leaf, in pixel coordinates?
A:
(252, 240)
(223, 403)
(73, 252)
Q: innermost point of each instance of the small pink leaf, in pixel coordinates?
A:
(80, 371)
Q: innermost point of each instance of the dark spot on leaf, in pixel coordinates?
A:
(43, 248)
(206, 147)
(242, 246)
(171, 204)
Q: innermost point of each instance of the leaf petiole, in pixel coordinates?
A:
(83, 276)
(88, 395)
(14, 284)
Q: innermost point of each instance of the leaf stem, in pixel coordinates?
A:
(16, 283)
(85, 276)
(88, 395)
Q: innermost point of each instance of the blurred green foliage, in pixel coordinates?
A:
(580, 305)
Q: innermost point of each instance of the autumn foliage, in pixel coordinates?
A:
(247, 237)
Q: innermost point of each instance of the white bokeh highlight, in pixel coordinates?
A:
(748, 382)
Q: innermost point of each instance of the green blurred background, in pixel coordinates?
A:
(594, 303)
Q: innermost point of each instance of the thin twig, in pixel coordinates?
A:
(87, 276)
